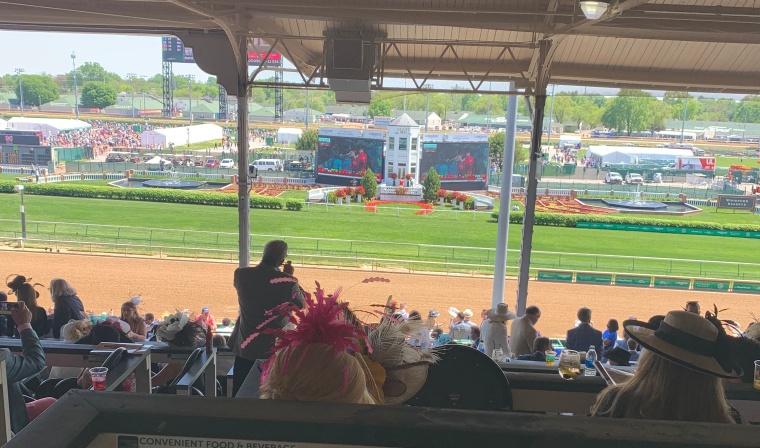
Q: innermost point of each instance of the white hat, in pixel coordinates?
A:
(468, 313)
(453, 311)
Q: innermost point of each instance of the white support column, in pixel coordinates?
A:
(502, 237)
(244, 198)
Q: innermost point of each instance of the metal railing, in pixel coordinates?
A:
(138, 241)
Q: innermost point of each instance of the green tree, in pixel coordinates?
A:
(369, 182)
(659, 111)
(38, 89)
(430, 185)
(380, 108)
(98, 95)
(676, 102)
(496, 148)
(748, 109)
(308, 140)
(627, 111)
(585, 111)
(562, 107)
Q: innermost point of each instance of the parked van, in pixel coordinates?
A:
(267, 165)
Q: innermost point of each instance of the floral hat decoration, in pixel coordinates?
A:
(172, 324)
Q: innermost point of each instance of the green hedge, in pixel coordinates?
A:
(143, 194)
(293, 204)
(560, 220)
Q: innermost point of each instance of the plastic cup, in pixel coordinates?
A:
(98, 377)
(756, 383)
(550, 355)
(498, 355)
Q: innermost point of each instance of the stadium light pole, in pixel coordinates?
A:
(76, 88)
(190, 79)
(20, 189)
(131, 77)
(683, 121)
(19, 71)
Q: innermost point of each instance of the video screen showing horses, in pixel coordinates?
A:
(456, 161)
(347, 157)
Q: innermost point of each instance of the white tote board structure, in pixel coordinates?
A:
(182, 135)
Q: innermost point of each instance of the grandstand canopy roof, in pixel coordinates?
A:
(711, 45)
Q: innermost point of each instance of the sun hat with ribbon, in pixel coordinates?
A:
(688, 340)
(467, 313)
(501, 313)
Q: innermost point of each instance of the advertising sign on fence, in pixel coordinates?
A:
(747, 287)
(709, 285)
(674, 283)
(598, 279)
(630, 280)
(552, 276)
(737, 202)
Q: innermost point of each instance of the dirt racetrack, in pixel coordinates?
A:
(104, 282)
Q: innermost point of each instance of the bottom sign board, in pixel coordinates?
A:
(552, 276)
(674, 283)
(630, 280)
(746, 287)
(598, 279)
(710, 285)
(108, 440)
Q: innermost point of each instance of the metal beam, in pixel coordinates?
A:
(244, 182)
(541, 80)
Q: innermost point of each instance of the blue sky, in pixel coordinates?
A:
(37, 52)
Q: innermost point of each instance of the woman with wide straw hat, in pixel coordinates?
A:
(678, 375)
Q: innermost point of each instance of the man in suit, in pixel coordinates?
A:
(524, 332)
(261, 289)
(584, 335)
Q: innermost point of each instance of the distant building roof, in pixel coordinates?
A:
(404, 120)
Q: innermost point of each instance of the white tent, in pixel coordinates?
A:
(288, 135)
(3, 124)
(157, 161)
(634, 154)
(47, 126)
(181, 135)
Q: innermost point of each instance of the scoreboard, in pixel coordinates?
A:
(174, 50)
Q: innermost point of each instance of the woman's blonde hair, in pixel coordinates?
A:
(314, 372)
(133, 321)
(60, 288)
(664, 390)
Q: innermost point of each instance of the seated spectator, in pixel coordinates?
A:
(431, 323)
(223, 363)
(496, 336)
(206, 320)
(327, 368)
(623, 343)
(692, 306)
(459, 330)
(618, 357)
(20, 367)
(676, 378)
(150, 325)
(28, 295)
(177, 331)
(138, 329)
(421, 338)
(633, 349)
(402, 311)
(67, 305)
(226, 324)
(109, 330)
(609, 337)
(540, 347)
(4, 320)
(476, 337)
(584, 335)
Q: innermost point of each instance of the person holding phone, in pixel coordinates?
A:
(260, 289)
(19, 367)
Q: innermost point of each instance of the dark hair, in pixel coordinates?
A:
(613, 325)
(584, 314)
(415, 315)
(632, 344)
(103, 332)
(532, 310)
(274, 253)
(3, 296)
(475, 330)
(540, 343)
(656, 320)
(149, 316)
(226, 321)
(191, 335)
(460, 315)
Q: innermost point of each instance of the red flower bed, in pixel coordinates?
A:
(426, 208)
(568, 207)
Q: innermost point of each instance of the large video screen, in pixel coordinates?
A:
(174, 50)
(456, 161)
(347, 157)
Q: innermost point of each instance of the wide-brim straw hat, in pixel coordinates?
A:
(688, 340)
(404, 381)
(501, 313)
(467, 313)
